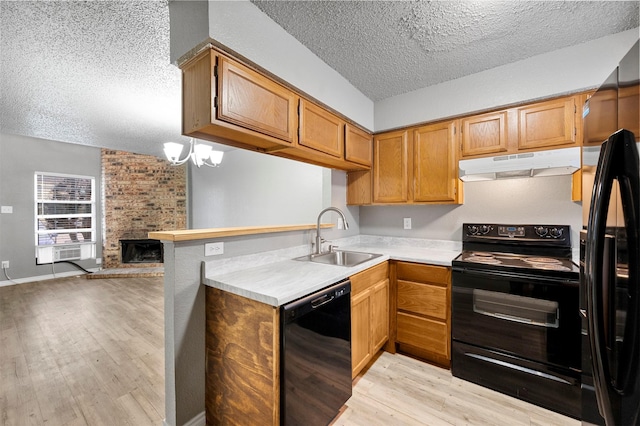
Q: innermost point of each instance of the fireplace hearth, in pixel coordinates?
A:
(141, 251)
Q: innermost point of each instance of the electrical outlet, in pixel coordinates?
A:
(5, 264)
(6, 209)
(340, 223)
(98, 261)
(213, 249)
(407, 223)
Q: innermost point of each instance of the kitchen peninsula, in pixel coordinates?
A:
(256, 273)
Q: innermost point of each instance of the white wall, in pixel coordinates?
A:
(250, 188)
(566, 70)
(543, 200)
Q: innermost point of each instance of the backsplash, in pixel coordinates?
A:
(141, 193)
(542, 200)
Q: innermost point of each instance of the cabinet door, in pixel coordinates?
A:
(602, 118)
(321, 130)
(435, 167)
(357, 146)
(629, 109)
(484, 134)
(250, 100)
(390, 167)
(546, 124)
(359, 188)
(379, 315)
(360, 331)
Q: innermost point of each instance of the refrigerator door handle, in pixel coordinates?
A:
(593, 279)
(628, 370)
(618, 160)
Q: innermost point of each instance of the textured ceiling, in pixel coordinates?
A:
(94, 73)
(385, 48)
(98, 72)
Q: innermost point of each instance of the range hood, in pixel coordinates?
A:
(529, 164)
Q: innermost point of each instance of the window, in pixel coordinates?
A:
(65, 209)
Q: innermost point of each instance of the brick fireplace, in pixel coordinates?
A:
(142, 193)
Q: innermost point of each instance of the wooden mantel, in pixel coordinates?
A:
(205, 234)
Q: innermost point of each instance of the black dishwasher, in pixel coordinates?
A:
(315, 356)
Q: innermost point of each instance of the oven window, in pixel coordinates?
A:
(516, 308)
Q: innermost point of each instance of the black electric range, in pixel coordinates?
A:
(515, 313)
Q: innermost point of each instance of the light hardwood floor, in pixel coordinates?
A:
(82, 352)
(399, 390)
(91, 352)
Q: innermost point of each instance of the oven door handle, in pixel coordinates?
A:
(514, 318)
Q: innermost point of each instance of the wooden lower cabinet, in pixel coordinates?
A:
(369, 314)
(242, 384)
(242, 340)
(423, 311)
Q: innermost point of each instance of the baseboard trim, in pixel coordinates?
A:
(199, 420)
(15, 281)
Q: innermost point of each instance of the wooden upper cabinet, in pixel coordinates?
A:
(358, 147)
(602, 116)
(434, 163)
(359, 188)
(253, 101)
(484, 134)
(547, 124)
(629, 109)
(391, 167)
(321, 130)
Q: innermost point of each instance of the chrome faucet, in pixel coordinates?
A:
(318, 238)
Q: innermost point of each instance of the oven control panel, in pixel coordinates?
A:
(479, 229)
(483, 231)
(511, 231)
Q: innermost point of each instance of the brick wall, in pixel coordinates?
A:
(142, 193)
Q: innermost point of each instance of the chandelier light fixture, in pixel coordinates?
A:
(199, 153)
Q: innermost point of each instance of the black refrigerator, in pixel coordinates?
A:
(610, 250)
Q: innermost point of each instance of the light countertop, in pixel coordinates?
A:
(275, 278)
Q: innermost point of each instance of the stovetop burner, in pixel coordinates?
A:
(517, 261)
(532, 249)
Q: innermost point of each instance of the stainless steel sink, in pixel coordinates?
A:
(339, 257)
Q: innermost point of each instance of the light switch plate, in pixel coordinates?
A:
(213, 249)
(6, 209)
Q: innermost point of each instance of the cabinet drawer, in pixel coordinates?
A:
(423, 333)
(424, 299)
(365, 279)
(424, 273)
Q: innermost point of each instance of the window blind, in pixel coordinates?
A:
(65, 208)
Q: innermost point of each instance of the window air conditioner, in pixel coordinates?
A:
(51, 254)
